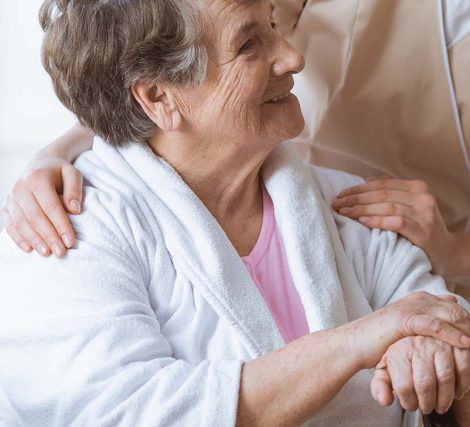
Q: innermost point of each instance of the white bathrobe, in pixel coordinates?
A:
(148, 320)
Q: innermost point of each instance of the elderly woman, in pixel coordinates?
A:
(211, 283)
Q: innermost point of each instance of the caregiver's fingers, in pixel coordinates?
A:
(38, 214)
(23, 227)
(15, 235)
(378, 209)
(386, 183)
(72, 183)
(445, 375)
(425, 382)
(381, 386)
(54, 226)
(462, 372)
(399, 224)
(420, 202)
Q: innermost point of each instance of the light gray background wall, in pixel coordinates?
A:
(30, 114)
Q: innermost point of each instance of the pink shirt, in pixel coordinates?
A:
(268, 268)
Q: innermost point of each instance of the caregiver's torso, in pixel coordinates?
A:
(377, 104)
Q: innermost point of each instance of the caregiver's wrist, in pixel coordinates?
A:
(58, 149)
(68, 146)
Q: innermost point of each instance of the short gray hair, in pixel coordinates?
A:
(95, 50)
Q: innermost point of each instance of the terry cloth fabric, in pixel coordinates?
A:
(148, 321)
(267, 265)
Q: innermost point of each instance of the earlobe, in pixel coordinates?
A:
(157, 105)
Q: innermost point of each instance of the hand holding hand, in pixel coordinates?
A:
(424, 373)
(420, 313)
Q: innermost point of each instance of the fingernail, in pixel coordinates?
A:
(75, 205)
(67, 240)
(345, 211)
(364, 220)
(25, 247)
(57, 250)
(465, 340)
(41, 248)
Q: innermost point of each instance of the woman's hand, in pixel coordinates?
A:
(420, 313)
(34, 214)
(406, 207)
(424, 373)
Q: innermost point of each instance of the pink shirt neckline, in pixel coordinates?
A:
(267, 265)
(266, 233)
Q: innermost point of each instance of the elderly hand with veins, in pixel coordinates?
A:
(425, 373)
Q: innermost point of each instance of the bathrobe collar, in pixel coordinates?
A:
(201, 251)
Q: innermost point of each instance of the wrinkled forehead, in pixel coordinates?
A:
(228, 19)
(231, 7)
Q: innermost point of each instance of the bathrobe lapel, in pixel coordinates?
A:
(302, 221)
(201, 252)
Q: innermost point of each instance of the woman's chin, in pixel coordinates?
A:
(286, 126)
(286, 112)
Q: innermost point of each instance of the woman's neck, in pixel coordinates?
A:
(226, 178)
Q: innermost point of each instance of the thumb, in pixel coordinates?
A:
(381, 385)
(72, 183)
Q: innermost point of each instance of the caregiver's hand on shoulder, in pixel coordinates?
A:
(420, 313)
(404, 206)
(424, 373)
(35, 215)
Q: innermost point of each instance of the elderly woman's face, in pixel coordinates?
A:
(247, 91)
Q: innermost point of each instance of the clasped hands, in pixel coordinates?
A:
(425, 373)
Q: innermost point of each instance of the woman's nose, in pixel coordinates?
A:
(289, 60)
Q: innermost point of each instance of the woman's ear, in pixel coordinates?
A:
(158, 106)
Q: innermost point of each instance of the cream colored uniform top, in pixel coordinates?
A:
(382, 93)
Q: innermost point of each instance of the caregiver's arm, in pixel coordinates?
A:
(68, 146)
(35, 216)
(408, 208)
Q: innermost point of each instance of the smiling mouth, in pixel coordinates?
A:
(278, 98)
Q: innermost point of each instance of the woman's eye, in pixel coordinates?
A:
(247, 46)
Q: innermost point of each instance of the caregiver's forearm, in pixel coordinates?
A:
(459, 270)
(288, 386)
(69, 146)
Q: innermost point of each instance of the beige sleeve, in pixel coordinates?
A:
(459, 57)
(287, 14)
